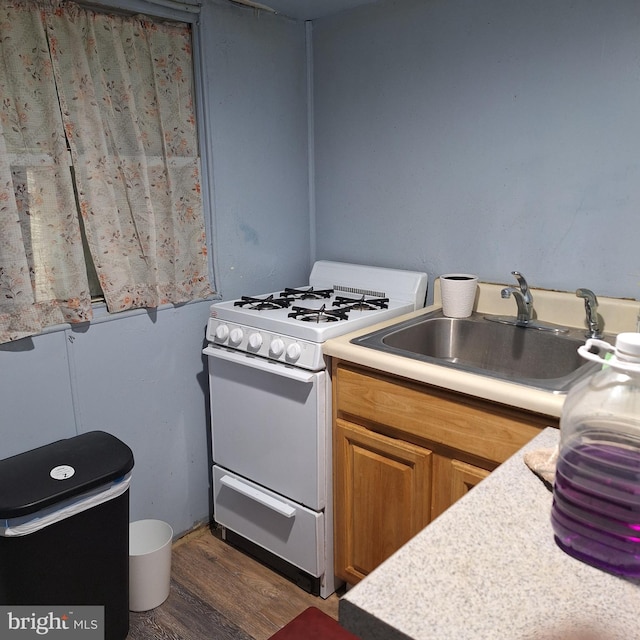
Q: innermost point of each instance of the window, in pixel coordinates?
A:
(98, 141)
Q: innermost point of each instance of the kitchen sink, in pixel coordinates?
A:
(524, 355)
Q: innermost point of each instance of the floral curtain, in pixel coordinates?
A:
(124, 87)
(43, 279)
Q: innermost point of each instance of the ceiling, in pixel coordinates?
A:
(306, 9)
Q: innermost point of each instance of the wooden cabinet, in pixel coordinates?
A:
(454, 479)
(382, 491)
(403, 453)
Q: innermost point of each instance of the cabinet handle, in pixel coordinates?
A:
(275, 505)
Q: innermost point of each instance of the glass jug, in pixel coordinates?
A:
(596, 495)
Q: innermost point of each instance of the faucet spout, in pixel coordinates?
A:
(591, 309)
(523, 298)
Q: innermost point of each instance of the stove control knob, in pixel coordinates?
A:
(236, 335)
(222, 332)
(255, 341)
(293, 351)
(277, 347)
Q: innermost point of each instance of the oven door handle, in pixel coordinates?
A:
(301, 375)
(275, 505)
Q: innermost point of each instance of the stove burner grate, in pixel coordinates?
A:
(307, 294)
(319, 315)
(261, 304)
(363, 304)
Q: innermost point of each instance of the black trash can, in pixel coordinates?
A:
(64, 527)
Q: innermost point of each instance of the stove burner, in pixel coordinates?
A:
(261, 304)
(362, 304)
(319, 315)
(307, 294)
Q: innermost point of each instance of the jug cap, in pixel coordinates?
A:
(628, 347)
(625, 356)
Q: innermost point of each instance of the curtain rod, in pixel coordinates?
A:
(176, 4)
(170, 9)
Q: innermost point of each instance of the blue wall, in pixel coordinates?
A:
(482, 136)
(256, 73)
(141, 376)
(476, 135)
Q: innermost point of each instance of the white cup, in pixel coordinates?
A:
(458, 291)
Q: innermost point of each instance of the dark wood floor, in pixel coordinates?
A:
(221, 593)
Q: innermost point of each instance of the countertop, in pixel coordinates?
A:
(552, 306)
(488, 568)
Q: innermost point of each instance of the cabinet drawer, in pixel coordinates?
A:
(283, 527)
(479, 428)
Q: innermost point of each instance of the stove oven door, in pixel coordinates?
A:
(270, 424)
(283, 527)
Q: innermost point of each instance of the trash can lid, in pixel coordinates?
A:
(58, 471)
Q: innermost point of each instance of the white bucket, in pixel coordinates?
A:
(149, 564)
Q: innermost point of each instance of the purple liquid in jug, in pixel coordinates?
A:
(596, 503)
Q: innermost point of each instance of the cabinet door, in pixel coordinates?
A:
(382, 492)
(453, 479)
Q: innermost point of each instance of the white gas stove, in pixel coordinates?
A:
(270, 401)
(289, 325)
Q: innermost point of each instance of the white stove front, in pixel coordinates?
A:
(271, 447)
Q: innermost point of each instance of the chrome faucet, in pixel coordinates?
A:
(523, 298)
(591, 309)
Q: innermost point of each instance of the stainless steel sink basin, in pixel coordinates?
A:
(539, 359)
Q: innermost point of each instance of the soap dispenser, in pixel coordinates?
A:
(596, 496)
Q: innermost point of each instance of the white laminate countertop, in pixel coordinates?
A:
(488, 569)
